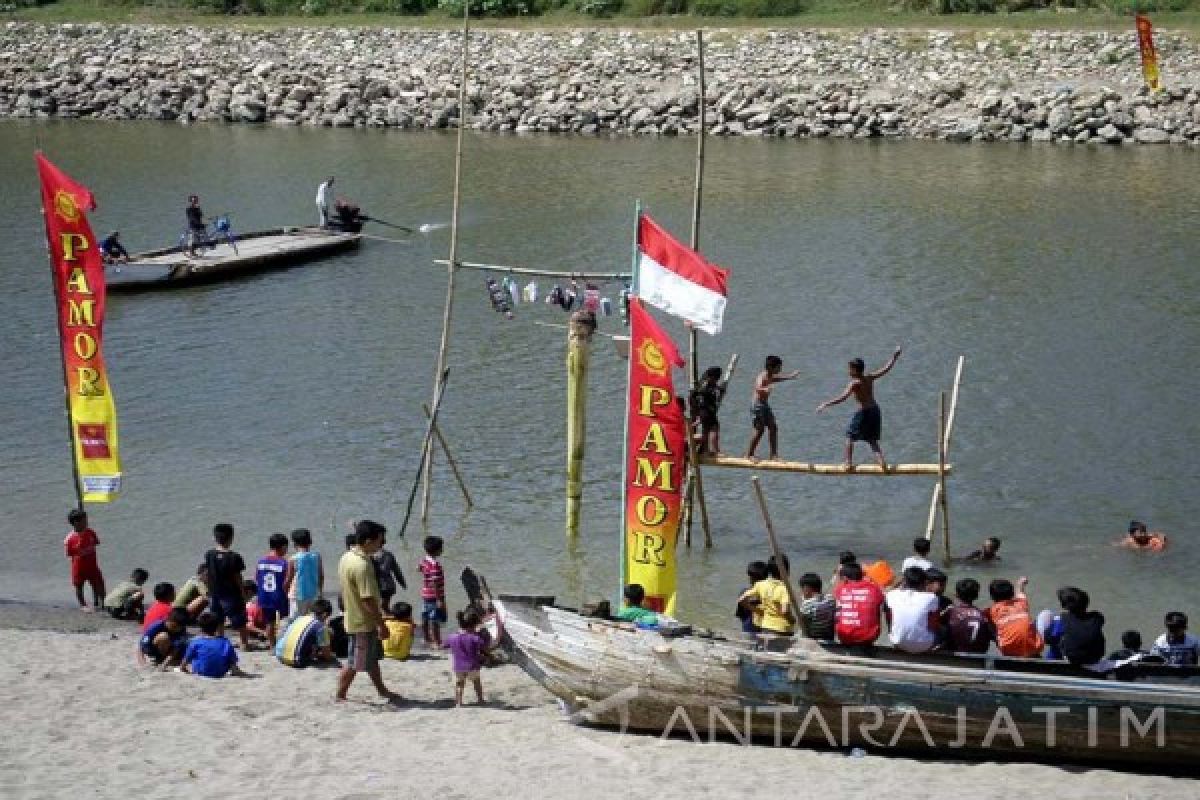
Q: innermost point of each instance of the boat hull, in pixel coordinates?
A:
(258, 251)
(614, 675)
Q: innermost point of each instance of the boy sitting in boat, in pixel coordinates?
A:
(1177, 647)
(867, 423)
(770, 597)
(632, 609)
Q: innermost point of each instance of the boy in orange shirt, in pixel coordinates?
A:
(1016, 633)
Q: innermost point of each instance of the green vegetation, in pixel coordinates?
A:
(670, 14)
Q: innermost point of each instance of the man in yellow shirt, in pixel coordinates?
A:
(770, 598)
(365, 626)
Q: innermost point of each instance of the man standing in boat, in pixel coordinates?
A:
(325, 201)
(867, 423)
(197, 232)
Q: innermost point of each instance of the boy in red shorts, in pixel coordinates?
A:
(80, 546)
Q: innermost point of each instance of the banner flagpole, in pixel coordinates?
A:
(66, 388)
(633, 289)
(62, 360)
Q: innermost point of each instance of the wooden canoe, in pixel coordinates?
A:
(704, 686)
(256, 252)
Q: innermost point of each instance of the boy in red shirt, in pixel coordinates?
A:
(80, 546)
(859, 603)
(164, 599)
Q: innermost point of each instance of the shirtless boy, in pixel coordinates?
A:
(762, 416)
(867, 423)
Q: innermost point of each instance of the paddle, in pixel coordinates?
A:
(365, 218)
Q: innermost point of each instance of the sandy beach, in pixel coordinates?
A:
(84, 720)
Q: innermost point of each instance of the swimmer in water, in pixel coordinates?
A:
(1139, 538)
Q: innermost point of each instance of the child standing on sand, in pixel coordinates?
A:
(308, 573)
(273, 579)
(80, 546)
(867, 423)
(433, 592)
(762, 417)
(226, 598)
(467, 650)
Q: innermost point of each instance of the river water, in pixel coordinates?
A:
(1067, 276)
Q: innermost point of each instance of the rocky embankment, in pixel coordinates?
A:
(989, 86)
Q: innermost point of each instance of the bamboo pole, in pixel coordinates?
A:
(441, 440)
(945, 506)
(811, 468)
(426, 444)
(936, 498)
(697, 196)
(578, 353)
(694, 490)
(451, 267)
(543, 273)
(775, 551)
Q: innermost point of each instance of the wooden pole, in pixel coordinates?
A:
(775, 551)
(936, 498)
(694, 490)
(452, 266)
(544, 273)
(579, 340)
(440, 383)
(958, 372)
(441, 440)
(945, 507)
(697, 195)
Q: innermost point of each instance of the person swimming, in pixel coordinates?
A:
(1139, 538)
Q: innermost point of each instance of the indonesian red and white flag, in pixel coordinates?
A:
(678, 280)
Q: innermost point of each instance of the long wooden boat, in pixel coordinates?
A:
(705, 686)
(255, 252)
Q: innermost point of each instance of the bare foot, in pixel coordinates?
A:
(86, 609)
(392, 697)
(849, 465)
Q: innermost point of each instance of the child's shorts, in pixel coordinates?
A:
(461, 678)
(430, 612)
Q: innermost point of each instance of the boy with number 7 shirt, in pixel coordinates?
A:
(273, 576)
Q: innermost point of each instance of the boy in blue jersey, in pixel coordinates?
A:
(273, 577)
(209, 654)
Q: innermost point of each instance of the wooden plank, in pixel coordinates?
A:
(811, 468)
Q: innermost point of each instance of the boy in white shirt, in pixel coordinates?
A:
(912, 614)
(920, 557)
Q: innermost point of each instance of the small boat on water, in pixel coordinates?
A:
(804, 693)
(252, 252)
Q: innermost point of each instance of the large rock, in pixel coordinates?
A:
(1151, 136)
(1111, 134)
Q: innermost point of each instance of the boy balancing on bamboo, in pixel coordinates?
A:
(867, 423)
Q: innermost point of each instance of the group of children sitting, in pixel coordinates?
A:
(285, 607)
(920, 618)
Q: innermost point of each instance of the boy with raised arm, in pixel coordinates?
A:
(867, 423)
(762, 417)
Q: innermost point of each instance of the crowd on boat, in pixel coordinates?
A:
(865, 599)
(284, 608)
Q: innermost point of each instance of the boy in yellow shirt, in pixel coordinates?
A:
(770, 598)
(400, 632)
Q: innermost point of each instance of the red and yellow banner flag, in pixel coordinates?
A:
(1145, 34)
(656, 451)
(79, 288)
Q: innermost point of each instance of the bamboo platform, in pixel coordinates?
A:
(811, 468)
